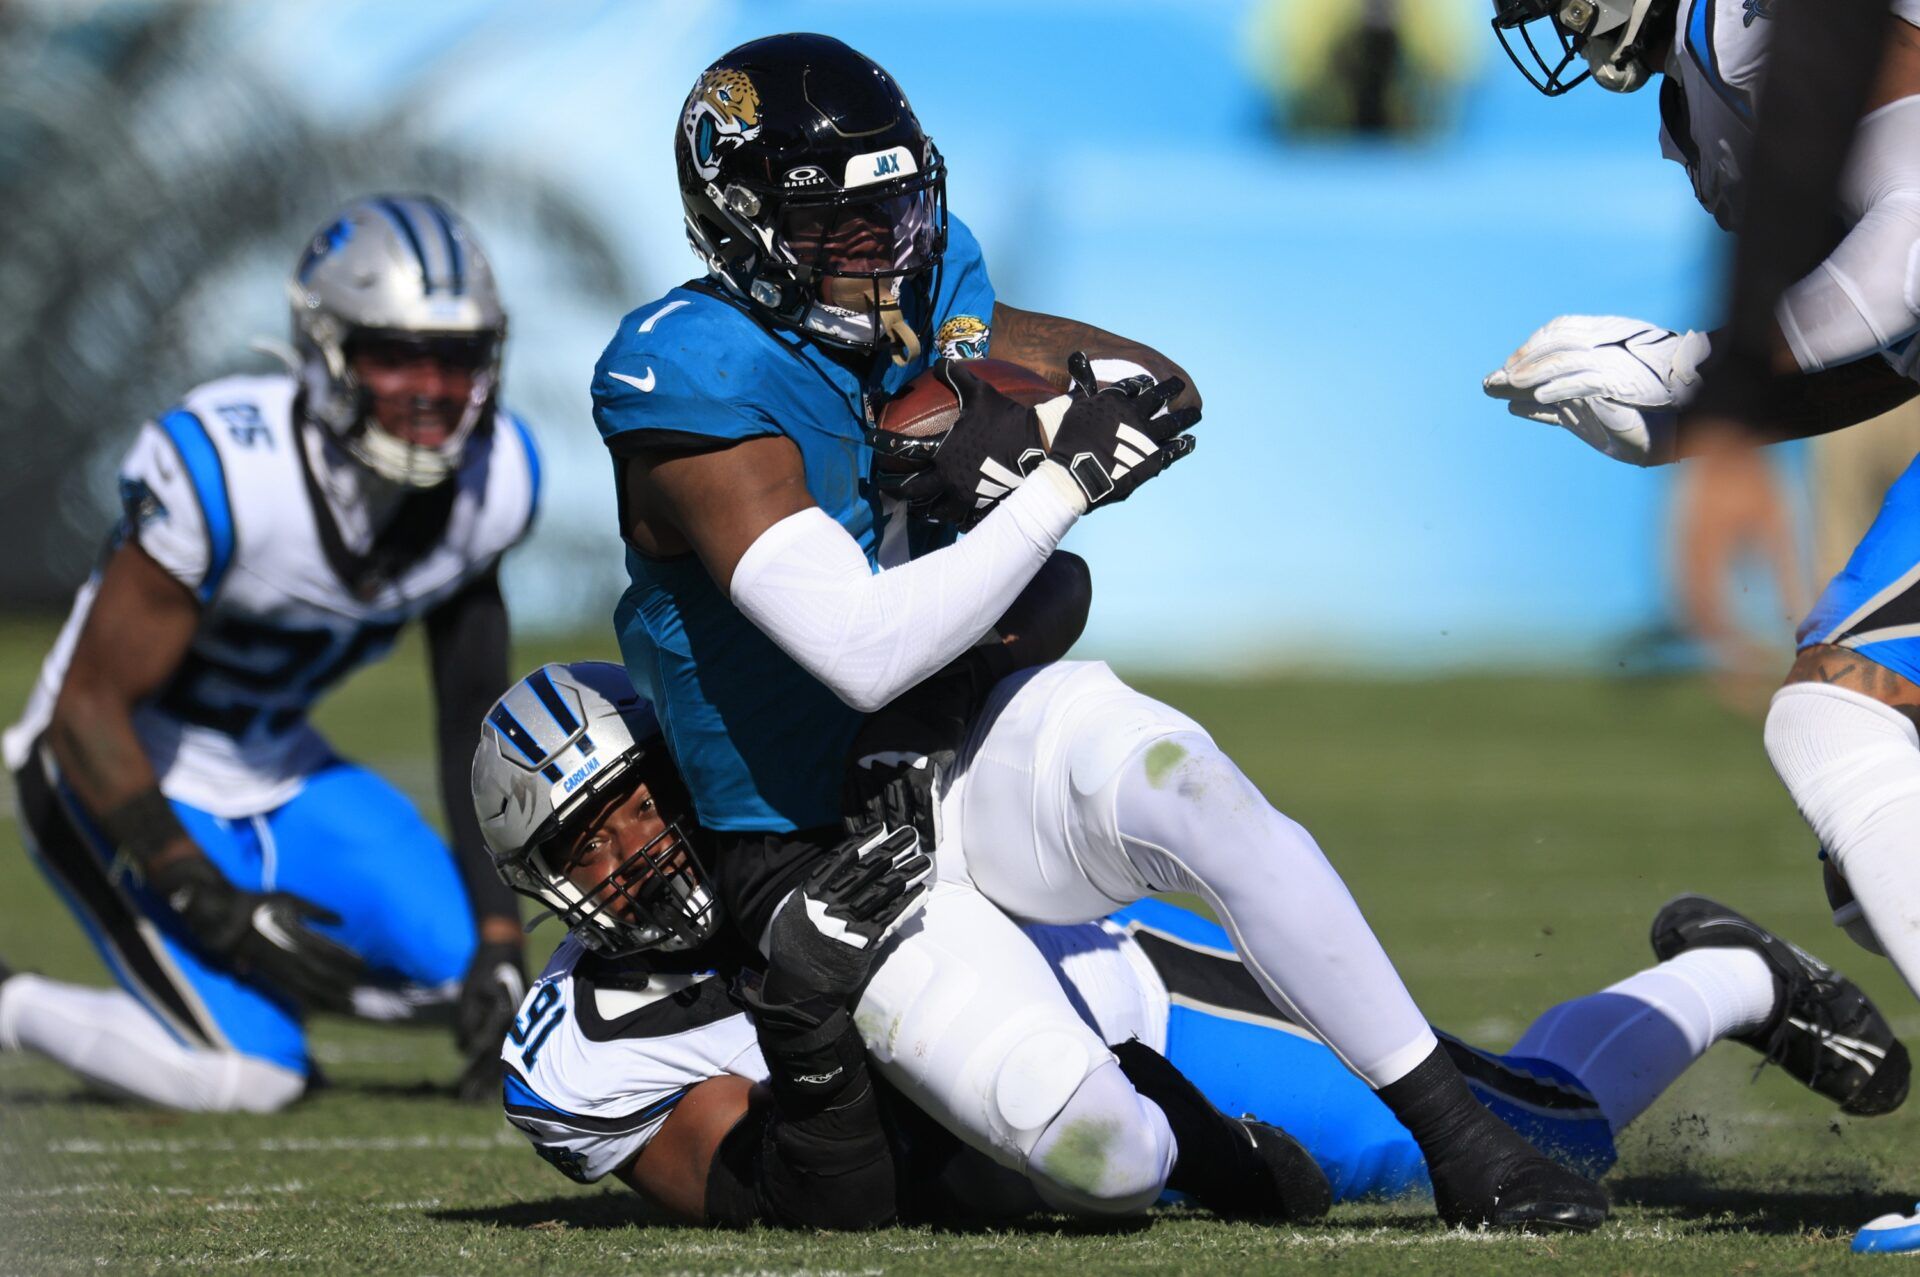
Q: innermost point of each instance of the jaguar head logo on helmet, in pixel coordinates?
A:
(722, 112)
(397, 333)
(812, 194)
(1622, 43)
(584, 811)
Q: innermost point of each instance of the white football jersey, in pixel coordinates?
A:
(597, 1059)
(1716, 62)
(1707, 103)
(227, 495)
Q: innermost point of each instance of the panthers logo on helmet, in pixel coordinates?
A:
(963, 337)
(723, 112)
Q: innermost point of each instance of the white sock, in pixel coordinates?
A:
(1852, 765)
(113, 1043)
(1200, 825)
(1629, 1042)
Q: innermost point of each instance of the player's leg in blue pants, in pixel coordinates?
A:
(1225, 1036)
(182, 1031)
(187, 1033)
(354, 844)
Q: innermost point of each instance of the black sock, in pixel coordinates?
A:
(1484, 1171)
(1433, 1103)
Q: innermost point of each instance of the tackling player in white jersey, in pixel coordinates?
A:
(277, 533)
(629, 1058)
(1841, 732)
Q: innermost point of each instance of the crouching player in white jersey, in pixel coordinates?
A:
(1841, 732)
(278, 533)
(629, 1059)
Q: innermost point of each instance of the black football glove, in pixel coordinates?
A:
(978, 460)
(904, 752)
(489, 1000)
(1111, 441)
(824, 939)
(260, 935)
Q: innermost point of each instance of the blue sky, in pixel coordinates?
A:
(1354, 498)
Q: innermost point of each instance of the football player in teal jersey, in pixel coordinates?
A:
(778, 595)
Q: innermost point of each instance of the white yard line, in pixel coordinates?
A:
(286, 1144)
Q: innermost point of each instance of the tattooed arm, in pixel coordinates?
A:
(135, 636)
(1043, 342)
(1844, 667)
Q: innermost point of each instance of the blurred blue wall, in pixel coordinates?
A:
(1354, 499)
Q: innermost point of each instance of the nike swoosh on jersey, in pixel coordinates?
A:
(642, 384)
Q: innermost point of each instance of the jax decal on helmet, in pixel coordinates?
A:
(401, 269)
(812, 193)
(558, 746)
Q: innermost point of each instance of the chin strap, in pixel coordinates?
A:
(1623, 70)
(1637, 19)
(905, 342)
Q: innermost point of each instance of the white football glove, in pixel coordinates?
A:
(1615, 383)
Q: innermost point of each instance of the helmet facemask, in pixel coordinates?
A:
(1609, 40)
(656, 897)
(836, 264)
(337, 397)
(857, 256)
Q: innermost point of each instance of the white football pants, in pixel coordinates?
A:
(117, 1046)
(967, 1020)
(1078, 795)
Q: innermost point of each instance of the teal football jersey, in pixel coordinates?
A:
(760, 741)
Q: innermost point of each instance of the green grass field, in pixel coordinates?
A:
(1510, 838)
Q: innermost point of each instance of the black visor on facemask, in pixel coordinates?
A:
(888, 237)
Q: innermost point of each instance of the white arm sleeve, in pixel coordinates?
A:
(870, 636)
(1866, 296)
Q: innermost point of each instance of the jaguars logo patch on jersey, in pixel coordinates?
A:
(963, 337)
(722, 112)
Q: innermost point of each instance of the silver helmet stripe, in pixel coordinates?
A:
(430, 238)
(503, 721)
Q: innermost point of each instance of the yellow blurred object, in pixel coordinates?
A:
(1368, 66)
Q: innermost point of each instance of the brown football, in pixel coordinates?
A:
(926, 406)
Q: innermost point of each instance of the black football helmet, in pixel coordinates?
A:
(1610, 40)
(812, 192)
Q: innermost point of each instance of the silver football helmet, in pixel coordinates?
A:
(555, 749)
(393, 266)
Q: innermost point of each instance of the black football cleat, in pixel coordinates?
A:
(1279, 1181)
(1823, 1030)
(1498, 1180)
(1238, 1168)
